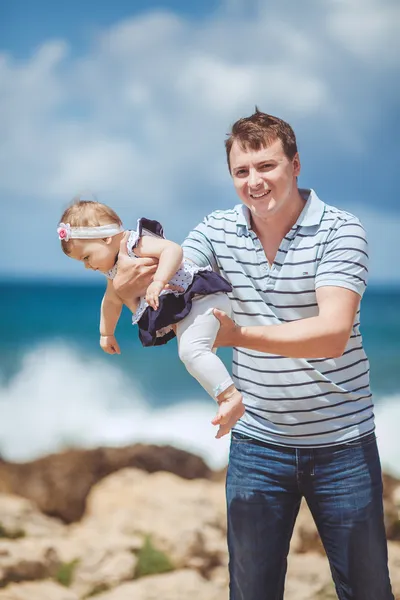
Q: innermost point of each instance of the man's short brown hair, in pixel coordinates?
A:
(259, 131)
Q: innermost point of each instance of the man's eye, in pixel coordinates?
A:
(241, 172)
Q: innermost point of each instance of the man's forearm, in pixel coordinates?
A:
(307, 338)
(134, 277)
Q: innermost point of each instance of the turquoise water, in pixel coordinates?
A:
(58, 388)
(36, 313)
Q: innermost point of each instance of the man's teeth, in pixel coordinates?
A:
(260, 195)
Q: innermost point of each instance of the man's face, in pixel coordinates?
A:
(265, 179)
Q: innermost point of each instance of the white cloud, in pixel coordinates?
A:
(141, 117)
(367, 28)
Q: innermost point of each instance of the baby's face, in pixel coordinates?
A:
(98, 255)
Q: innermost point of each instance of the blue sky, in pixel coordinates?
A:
(133, 99)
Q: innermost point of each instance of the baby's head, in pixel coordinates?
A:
(91, 232)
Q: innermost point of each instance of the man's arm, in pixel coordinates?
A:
(325, 335)
(133, 276)
(340, 282)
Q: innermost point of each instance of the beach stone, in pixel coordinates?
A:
(43, 590)
(20, 517)
(179, 585)
(185, 519)
(307, 576)
(391, 505)
(100, 559)
(85, 538)
(101, 570)
(394, 567)
(59, 483)
(305, 536)
(27, 559)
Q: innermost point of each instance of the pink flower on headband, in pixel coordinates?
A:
(64, 231)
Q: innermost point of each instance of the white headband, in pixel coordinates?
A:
(66, 232)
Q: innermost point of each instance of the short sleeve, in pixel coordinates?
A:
(198, 247)
(345, 259)
(144, 227)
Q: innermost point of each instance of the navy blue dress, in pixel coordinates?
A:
(174, 307)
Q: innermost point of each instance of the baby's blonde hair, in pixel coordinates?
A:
(87, 213)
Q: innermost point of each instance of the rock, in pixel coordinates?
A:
(305, 535)
(43, 590)
(392, 520)
(101, 570)
(131, 514)
(179, 585)
(27, 559)
(394, 567)
(100, 560)
(185, 519)
(84, 538)
(59, 483)
(307, 575)
(390, 484)
(20, 517)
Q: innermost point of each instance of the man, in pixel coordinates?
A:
(298, 268)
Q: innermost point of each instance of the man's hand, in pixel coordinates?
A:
(134, 275)
(228, 333)
(109, 344)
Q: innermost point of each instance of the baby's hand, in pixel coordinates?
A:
(109, 344)
(153, 292)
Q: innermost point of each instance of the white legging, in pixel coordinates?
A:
(196, 334)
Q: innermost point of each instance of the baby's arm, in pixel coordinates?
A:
(170, 256)
(111, 307)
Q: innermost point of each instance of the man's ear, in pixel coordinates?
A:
(296, 164)
(107, 240)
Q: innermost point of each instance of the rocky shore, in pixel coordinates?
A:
(140, 522)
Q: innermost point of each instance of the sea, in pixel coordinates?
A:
(59, 390)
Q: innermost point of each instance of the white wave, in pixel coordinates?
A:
(387, 413)
(61, 399)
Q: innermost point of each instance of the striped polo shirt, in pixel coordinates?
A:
(292, 401)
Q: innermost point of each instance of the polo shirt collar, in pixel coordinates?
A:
(313, 210)
(310, 216)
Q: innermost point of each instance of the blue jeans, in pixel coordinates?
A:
(343, 488)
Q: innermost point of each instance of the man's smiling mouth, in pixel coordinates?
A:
(260, 195)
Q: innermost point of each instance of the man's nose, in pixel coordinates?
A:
(254, 178)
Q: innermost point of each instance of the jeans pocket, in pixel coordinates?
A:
(360, 442)
(240, 438)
